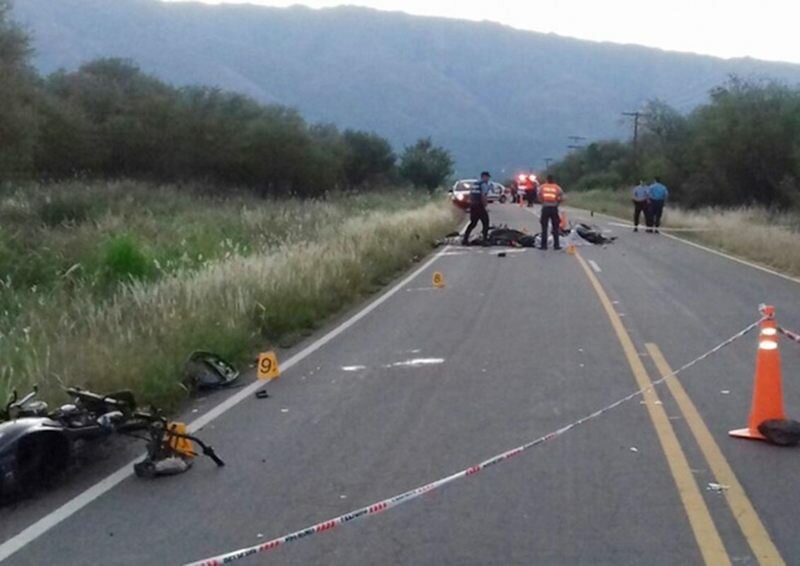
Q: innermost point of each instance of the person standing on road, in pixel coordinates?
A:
(533, 188)
(478, 199)
(657, 196)
(550, 196)
(640, 198)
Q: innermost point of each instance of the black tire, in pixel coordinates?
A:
(41, 460)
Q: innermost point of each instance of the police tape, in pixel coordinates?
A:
(789, 334)
(386, 504)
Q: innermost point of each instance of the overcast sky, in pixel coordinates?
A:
(764, 29)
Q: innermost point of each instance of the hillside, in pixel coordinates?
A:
(497, 97)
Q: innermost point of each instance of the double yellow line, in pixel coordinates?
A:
(705, 531)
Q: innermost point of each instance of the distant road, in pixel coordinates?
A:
(432, 381)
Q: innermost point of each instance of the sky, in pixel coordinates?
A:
(764, 29)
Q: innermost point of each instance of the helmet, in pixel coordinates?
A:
(204, 370)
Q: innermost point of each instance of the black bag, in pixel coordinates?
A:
(781, 432)
(593, 235)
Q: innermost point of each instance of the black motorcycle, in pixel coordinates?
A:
(37, 445)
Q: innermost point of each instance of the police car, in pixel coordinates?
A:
(459, 194)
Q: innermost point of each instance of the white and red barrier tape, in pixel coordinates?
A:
(789, 334)
(387, 504)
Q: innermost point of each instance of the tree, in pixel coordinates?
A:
(17, 98)
(367, 157)
(425, 165)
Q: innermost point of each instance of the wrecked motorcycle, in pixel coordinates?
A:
(37, 445)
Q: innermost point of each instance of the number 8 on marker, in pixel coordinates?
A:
(438, 280)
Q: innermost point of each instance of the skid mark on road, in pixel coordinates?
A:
(753, 529)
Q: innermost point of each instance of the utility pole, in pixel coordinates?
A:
(635, 115)
(547, 162)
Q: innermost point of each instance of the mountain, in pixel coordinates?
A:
(497, 97)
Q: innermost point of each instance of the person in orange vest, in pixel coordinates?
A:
(550, 196)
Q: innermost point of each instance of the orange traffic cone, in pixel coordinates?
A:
(767, 389)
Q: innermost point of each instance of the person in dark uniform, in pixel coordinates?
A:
(478, 199)
(550, 196)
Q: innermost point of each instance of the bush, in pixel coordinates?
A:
(124, 260)
(607, 180)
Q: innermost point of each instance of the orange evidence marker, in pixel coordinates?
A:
(438, 280)
(268, 368)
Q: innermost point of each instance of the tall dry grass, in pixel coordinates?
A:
(772, 239)
(767, 237)
(244, 299)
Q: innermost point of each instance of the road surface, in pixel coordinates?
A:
(431, 381)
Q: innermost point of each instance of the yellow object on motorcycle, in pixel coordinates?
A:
(180, 445)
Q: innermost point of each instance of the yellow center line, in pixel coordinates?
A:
(753, 529)
(705, 532)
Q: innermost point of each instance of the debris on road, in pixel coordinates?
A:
(717, 487)
(206, 370)
(417, 362)
(781, 432)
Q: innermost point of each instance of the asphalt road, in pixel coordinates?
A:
(435, 380)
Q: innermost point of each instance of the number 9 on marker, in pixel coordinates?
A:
(268, 366)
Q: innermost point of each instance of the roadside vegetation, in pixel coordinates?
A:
(768, 237)
(112, 285)
(110, 120)
(742, 148)
(732, 167)
(141, 221)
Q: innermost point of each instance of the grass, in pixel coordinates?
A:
(769, 238)
(612, 203)
(124, 286)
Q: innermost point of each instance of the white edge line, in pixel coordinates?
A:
(734, 258)
(713, 251)
(40, 527)
(594, 265)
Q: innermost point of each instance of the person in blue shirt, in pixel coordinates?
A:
(657, 195)
(640, 204)
(478, 199)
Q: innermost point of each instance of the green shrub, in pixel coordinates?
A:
(124, 260)
(604, 180)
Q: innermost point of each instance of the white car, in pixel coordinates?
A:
(461, 189)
